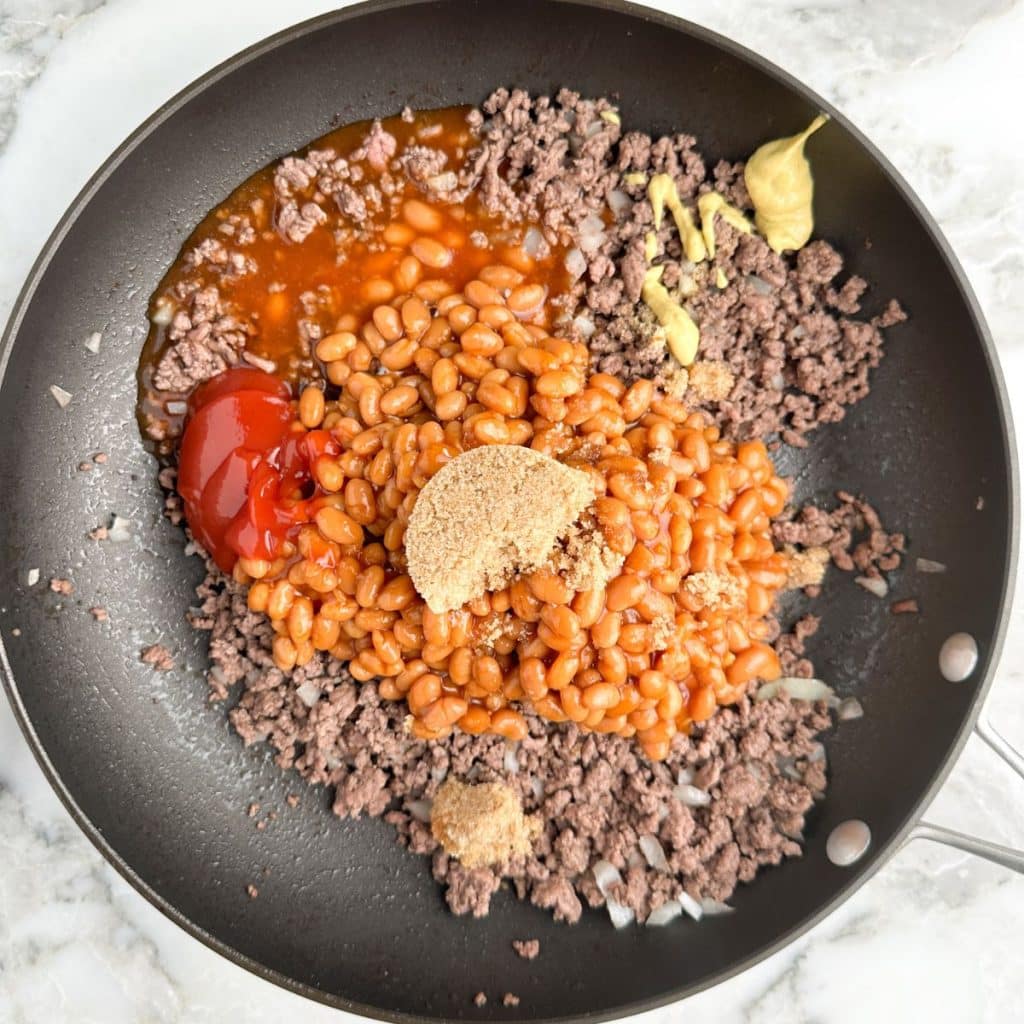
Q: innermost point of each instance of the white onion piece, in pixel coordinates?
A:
(661, 916)
(685, 777)
(849, 709)
(537, 785)
(119, 530)
(787, 765)
(163, 314)
(591, 233)
(92, 343)
(585, 326)
(714, 908)
(690, 905)
(446, 181)
(266, 365)
(621, 916)
(927, 565)
(606, 875)
(653, 853)
(511, 762)
(691, 796)
(635, 859)
(873, 585)
(817, 753)
(439, 772)
(575, 263)
(758, 284)
(797, 688)
(308, 693)
(32, 577)
(420, 809)
(593, 128)
(533, 243)
(61, 397)
(176, 407)
(331, 760)
(619, 202)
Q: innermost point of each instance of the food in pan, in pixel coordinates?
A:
(475, 413)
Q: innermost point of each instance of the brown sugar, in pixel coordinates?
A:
(711, 381)
(490, 513)
(806, 567)
(714, 589)
(584, 558)
(482, 825)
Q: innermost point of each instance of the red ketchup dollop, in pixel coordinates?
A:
(243, 466)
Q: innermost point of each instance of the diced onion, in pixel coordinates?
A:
(797, 688)
(119, 530)
(176, 407)
(92, 343)
(585, 326)
(691, 796)
(164, 314)
(537, 785)
(621, 915)
(873, 585)
(575, 263)
(653, 853)
(591, 233)
(511, 762)
(61, 396)
(685, 777)
(690, 905)
(308, 693)
(606, 875)
(266, 365)
(661, 916)
(619, 202)
(927, 565)
(32, 577)
(849, 708)
(533, 243)
(439, 772)
(420, 809)
(713, 908)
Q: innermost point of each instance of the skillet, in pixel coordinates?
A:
(156, 779)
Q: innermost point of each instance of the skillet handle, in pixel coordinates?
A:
(1006, 856)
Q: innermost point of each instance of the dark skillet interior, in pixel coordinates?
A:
(343, 914)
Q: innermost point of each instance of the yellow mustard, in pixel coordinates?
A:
(781, 187)
(681, 334)
(711, 204)
(661, 190)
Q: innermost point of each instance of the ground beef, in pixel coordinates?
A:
(204, 337)
(158, 656)
(596, 794)
(783, 325)
(852, 532)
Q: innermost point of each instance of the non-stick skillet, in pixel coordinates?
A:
(156, 779)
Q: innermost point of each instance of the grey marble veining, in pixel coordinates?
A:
(938, 84)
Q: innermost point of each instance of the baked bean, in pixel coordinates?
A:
(420, 216)
(378, 289)
(478, 339)
(335, 346)
(399, 401)
(400, 355)
(431, 253)
(311, 407)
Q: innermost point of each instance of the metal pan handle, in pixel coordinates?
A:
(1006, 856)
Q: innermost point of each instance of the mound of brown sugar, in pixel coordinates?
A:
(482, 825)
(490, 513)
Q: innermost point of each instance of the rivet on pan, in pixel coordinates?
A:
(958, 657)
(848, 842)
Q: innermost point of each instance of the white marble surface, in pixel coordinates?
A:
(938, 84)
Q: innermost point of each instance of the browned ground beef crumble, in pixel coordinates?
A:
(786, 328)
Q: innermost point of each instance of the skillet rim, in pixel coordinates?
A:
(858, 877)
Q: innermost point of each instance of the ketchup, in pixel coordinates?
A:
(243, 466)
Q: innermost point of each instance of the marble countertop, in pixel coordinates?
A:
(938, 85)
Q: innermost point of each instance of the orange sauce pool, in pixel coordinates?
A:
(329, 277)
